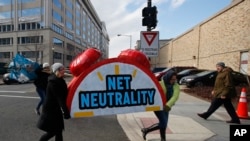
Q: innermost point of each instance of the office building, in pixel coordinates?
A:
(50, 30)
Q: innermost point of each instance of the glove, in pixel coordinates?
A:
(166, 108)
(66, 116)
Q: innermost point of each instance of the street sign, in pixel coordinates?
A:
(150, 43)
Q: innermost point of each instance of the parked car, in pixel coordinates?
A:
(177, 69)
(158, 69)
(200, 79)
(207, 78)
(240, 79)
(188, 72)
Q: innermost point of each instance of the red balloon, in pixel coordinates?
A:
(84, 60)
(135, 55)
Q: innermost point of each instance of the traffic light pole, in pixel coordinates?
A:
(149, 15)
(149, 5)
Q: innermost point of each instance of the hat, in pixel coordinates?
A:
(45, 65)
(222, 64)
(56, 66)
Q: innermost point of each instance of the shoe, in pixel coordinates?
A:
(202, 116)
(37, 112)
(144, 133)
(231, 121)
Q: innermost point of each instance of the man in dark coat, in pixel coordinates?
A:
(54, 108)
(223, 92)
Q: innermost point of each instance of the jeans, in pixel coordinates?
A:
(41, 93)
(163, 118)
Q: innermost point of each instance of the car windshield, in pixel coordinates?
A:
(184, 71)
(165, 70)
(204, 73)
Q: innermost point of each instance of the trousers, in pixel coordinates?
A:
(217, 102)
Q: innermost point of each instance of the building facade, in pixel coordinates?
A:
(50, 30)
(223, 37)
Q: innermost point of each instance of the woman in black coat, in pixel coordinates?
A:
(54, 108)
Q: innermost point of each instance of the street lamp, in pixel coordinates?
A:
(130, 37)
(53, 54)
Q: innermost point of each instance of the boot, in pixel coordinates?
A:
(163, 134)
(145, 131)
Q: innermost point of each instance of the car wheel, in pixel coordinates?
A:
(198, 84)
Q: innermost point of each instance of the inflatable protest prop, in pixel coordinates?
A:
(113, 86)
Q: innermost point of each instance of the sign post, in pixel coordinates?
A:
(150, 43)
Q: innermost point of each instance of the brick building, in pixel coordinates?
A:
(223, 37)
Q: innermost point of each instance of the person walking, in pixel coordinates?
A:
(54, 108)
(171, 90)
(41, 83)
(223, 93)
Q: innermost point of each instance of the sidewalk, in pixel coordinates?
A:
(183, 125)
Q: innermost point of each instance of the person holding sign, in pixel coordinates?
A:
(54, 108)
(171, 90)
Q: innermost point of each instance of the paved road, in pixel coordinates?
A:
(18, 119)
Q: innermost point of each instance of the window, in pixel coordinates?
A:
(30, 39)
(33, 25)
(69, 36)
(29, 12)
(78, 15)
(30, 54)
(57, 55)
(57, 42)
(77, 23)
(78, 41)
(57, 3)
(5, 15)
(6, 41)
(69, 25)
(78, 5)
(6, 2)
(70, 47)
(69, 57)
(69, 4)
(23, 26)
(4, 54)
(57, 29)
(78, 32)
(69, 14)
(28, 26)
(57, 16)
(25, 1)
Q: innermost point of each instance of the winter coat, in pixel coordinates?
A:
(174, 97)
(224, 84)
(42, 78)
(171, 92)
(51, 119)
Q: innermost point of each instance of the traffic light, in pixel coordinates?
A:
(149, 15)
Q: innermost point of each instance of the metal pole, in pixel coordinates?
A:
(149, 5)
